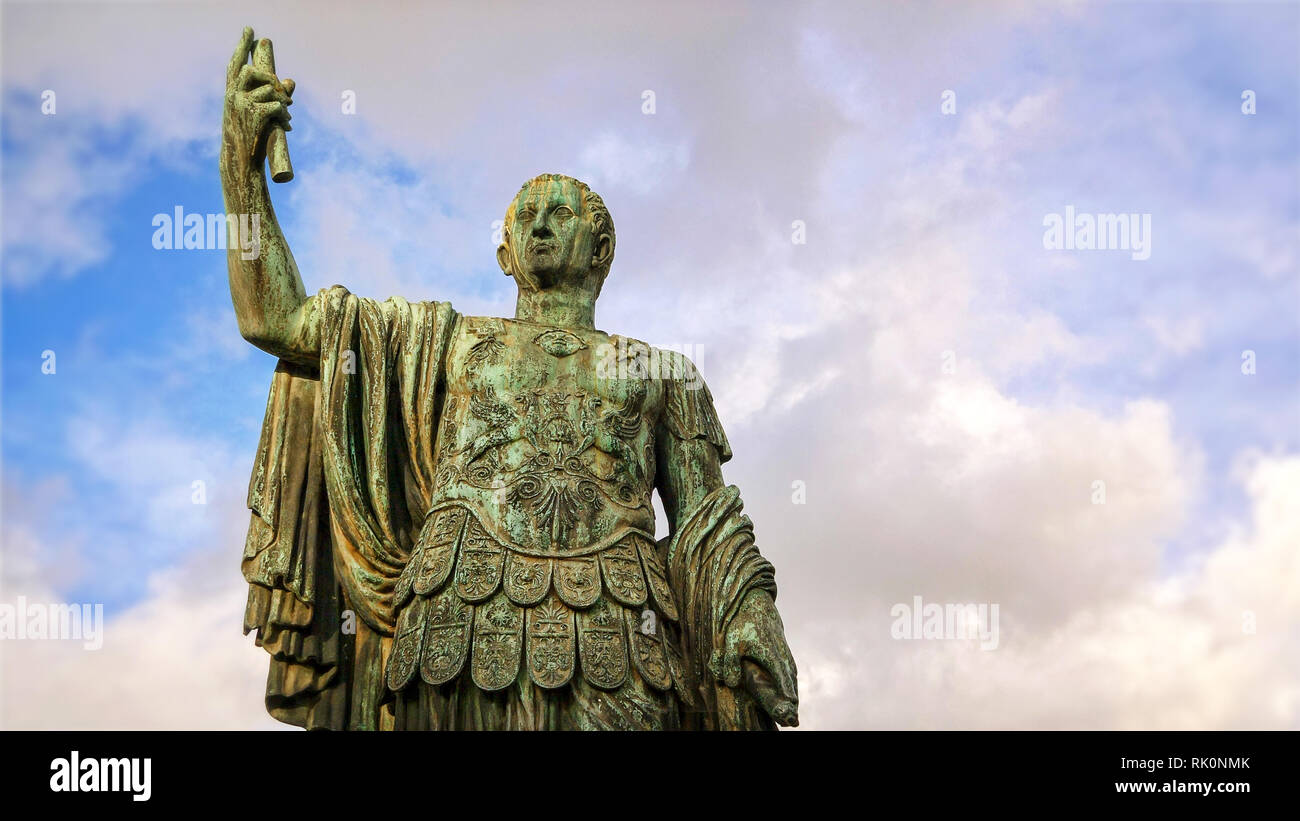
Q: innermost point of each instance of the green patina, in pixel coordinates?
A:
(452, 522)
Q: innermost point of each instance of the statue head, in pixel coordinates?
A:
(557, 232)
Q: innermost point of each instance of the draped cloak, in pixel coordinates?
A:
(341, 485)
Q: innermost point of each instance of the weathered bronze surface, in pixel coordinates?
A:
(451, 515)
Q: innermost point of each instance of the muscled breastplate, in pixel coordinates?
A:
(554, 459)
(538, 549)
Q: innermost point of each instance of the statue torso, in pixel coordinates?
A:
(542, 440)
(538, 552)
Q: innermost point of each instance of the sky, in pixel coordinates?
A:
(840, 207)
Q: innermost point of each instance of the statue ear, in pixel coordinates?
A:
(603, 253)
(503, 259)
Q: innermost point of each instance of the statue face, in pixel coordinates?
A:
(552, 239)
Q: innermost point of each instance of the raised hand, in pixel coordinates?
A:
(265, 288)
(255, 101)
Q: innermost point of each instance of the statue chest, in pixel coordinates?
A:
(542, 437)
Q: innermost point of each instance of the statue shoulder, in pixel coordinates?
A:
(689, 412)
(338, 298)
(339, 320)
(625, 357)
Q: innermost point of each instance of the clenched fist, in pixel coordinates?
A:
(256, 101)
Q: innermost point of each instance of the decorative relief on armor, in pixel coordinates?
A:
(438, 549)
(450, 425)
(648, 654)
(565, 456)
(657, 578)
(559, 343)
(527, 579)
(502, 429)
(406, 645)
(498, 643)
(483, 353)
(481, 558)
(402, 590)
(602, 645)
(447, 640)
(440, 633)
(621, 567)
(529, 573)
(551, 643)
(577, 580)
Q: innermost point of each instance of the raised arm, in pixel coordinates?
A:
(270, 301)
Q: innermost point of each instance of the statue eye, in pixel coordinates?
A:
(564, 212)
(525, 215)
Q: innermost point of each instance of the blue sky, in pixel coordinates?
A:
(925, 235)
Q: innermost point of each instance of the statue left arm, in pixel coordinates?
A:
(753, 652)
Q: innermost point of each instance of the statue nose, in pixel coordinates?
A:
(541, 227)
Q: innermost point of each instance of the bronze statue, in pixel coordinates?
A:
(451, 521)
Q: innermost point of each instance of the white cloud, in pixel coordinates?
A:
(995, 123)
(1177, 654)
(53, 200)
(611, 159)
(825, 359)
(1177, 335)
(174, 660)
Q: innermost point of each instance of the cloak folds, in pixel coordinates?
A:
(712, 563)
(341, 484)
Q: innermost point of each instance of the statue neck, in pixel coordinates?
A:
(563, 306)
